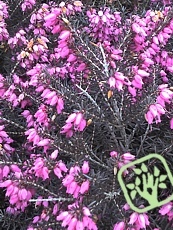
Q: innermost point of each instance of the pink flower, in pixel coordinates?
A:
(111, 82)
(128, 156)
(138, 79)
(126, 207)
(136, 28)
(65, 34)
(81, 67)
(62, 166)
(86, 211)
(66, 127)
(160, 109)
(142, 221)
(75, 121)
(137, 84)
(85, 167)
(78, 119)
(64, 52)
(161, 101)
(72, 187)
(66, 220)
(60, 105)
(82, 125)
(153, 110)
(5, 171)
(31, 134)
(119, 85)
(55, 209)
(71, 58)
(166, 208)
(57, 172)
(119, 76)
(113, 154)
(10, 190)
(71, 118)
(72, 224)
(14, 199)
(44, 173)
(22, 193)
(5, 183)
(56, 29)
(84, 187)
(132, 90)
(40, 169)
(62, 215)
(54, 154)
(50, 17)
(119, 226)
(54, 100)
(36, 219)
(165, 96)
(149, 117)
(67, 180)
(79, 225)
(44, 142)
(139, 220)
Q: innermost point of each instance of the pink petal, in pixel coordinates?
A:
(50, 17)
(78, 119)
(65, 34)
(153, 110)
(44, 142)
(54, 100)
(72, 187)
(132, 90)
(111, 82)
(86, 211)
(149, 117)
(62, 166)
(84, 187)
(133, 218)
(79, 225)
(57, 172)
(62, 216)
(136, 28)
(128, 156)
(85, 167)
(119, 226)
(66, 220)
(143, 73)
(165, 209)
(72, 224)
(5, 171)
(82, 125)
(71, 118)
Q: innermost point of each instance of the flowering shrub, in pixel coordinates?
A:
(83, 91)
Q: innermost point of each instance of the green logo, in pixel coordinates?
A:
(145, 185)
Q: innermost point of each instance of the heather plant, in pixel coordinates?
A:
(85, 88)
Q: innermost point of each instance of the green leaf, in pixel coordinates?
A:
(137, 181)
(162, 185)
(156, 171)
(133, 194)
(144, 168)
(130, 186)
(137, 171)
(162, 178)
